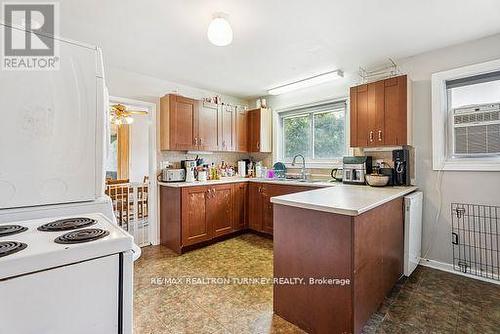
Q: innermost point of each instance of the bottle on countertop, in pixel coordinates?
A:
(251, 169)
(258, 169)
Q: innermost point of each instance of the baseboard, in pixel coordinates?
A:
(448, 267)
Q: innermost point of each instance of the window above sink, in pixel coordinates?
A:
(316, 131)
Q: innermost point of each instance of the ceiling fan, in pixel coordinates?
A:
(121, 115)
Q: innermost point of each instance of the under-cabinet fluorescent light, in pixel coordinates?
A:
(308, 82)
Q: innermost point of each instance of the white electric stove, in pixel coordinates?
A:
(66, 275)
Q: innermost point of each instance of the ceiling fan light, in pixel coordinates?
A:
(219, 31)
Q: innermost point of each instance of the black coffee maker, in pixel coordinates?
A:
(401, 160)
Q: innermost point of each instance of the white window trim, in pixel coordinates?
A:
(440, 160)
(278, 140)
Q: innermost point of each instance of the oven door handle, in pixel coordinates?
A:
(137, 252)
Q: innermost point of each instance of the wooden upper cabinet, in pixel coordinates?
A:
(376, 113)
(353, 115)
(254, 130)
(259, 130)
(361, 115)
(178, 122)
(396, 111)
(227, 127)
(379, 113)
(241, 130)
(196, 226)
(208, 127)
(188, 124)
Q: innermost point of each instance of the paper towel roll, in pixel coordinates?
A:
(242, 168)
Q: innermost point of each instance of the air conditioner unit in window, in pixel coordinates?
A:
(476, 130)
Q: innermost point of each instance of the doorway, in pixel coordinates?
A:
(131, 168)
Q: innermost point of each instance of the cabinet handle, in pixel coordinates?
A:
(371, 136)
(196, 141)
(223, 143)
(201, 140)
(379, 135)
(258, 145)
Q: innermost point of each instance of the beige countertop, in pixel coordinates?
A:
(343, 199)
(319, 184)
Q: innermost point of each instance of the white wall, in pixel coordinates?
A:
(443, 188)
(466, 187)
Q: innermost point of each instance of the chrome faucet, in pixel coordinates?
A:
(303, 169)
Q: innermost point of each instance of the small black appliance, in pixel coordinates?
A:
(401, 160)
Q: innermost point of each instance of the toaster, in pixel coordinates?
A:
(173, 175)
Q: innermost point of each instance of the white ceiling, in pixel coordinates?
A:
(275, 42)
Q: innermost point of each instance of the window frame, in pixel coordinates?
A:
(441, 139)
(297, 111)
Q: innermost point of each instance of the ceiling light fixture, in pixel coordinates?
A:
(219, 31)
(308, 82)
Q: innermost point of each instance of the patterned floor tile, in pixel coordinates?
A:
(429, 301)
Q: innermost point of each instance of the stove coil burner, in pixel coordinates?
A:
(11, 229)
(67, 224)
(11, 247)
(85, 235)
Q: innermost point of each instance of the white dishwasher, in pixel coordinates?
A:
(413, 231)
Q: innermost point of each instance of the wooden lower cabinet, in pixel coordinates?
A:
(220, 209)
(195, 215)
(192, 215)
(240, 206)
(366, 249)
(260, 207)
(255, 201)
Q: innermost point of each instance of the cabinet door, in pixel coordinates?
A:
(220, 209)
(240, 206)
(396, 111)
(353, 116)
(392, 243)
(268, 191)
(254, 130)
(376, 113)
(195, 225)
(183, 122)
(227, 128)
(272, 190)
(255, 206)
(208, 127)
(362, 129)
(241, 131)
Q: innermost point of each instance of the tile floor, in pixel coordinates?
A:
(430, 301)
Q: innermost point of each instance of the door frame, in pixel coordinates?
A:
(154, 226)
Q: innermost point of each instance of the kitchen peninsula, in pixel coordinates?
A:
(342, 233)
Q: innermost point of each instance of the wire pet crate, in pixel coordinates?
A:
(475, 239)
